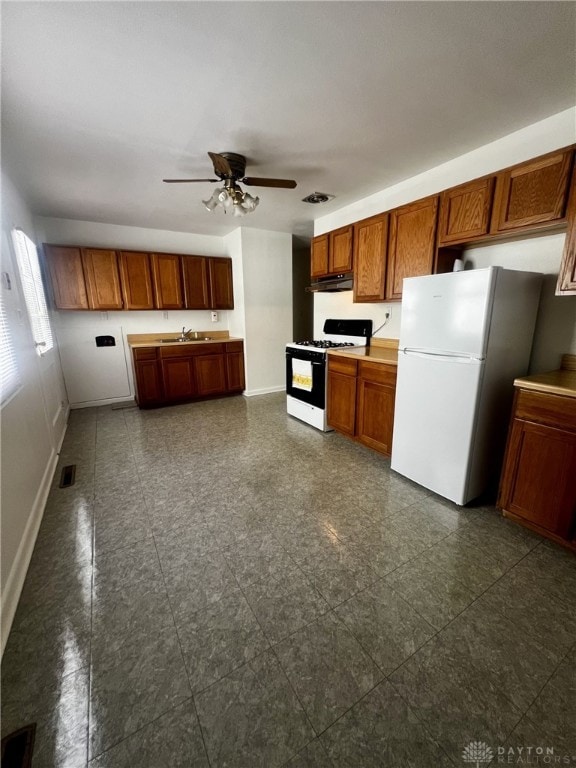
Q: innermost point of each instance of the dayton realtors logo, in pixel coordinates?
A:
(478, 753)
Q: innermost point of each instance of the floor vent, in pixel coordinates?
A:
(67, 479)
(17, 747)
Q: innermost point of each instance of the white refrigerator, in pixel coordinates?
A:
(464, 337)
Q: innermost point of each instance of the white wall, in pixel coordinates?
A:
(555, 329)
(556, 323)
(263, 263)
(33, 422)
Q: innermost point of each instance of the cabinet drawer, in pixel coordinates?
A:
(554, 410)
(379, 373)
(234, 346)
(207, 349)
(190, 350)
(145, 353)
(342, 365)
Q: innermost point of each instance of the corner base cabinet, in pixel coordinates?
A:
(538, 484)
(360, 401)
(180, 373)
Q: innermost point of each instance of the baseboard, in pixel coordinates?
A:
(263, 391)
(15, 581)
(108, 401)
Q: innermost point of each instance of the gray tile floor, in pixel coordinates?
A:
(225, 586)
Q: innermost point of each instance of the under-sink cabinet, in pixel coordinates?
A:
(360, 400)
(178, 373)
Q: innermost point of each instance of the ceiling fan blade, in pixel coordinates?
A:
(187, 181)
(253, 181)
(221, 164)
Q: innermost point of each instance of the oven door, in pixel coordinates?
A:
(306, 376)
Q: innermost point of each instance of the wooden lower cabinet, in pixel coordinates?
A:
(178, 379)
(375, 405)
(235, 381)
(360, 401)
(176, 374)
(538, 484)
(341, 402)
(148, 377)
(210, 372)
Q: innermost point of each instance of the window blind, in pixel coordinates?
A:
(29, 268)
(9, 375)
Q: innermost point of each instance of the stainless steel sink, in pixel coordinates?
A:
(185, 341)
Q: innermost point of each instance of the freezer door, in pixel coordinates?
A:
(449, 312)
(434, 421)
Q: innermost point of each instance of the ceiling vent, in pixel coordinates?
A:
(317, 197)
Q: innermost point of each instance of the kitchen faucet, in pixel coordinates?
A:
(184, 334)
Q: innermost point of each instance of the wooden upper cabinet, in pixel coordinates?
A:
(340, 250)
(465, 211)
(195, 280)
(166, 281)
(411, 243)
(102, 279)
(319, 256)
(67, 277)
(370, 246)
(533, 193)
(567, 274)
(221, 290)
(136, 278)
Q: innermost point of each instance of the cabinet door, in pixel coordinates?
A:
(166, 281)
(235, 366)
(319, 256)
(370, 245)
(340, 250)
(538, 479)
(67, 277)
(136, 279)
(411, 245)
(178, 378)
(148, 383)
(532, 193)
(221, 291)
(210, 373)
(567, 274)
(102, 278)
(465, 211)
(195, 279)
(341, 402)
(375, 417)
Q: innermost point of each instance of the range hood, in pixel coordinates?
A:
(334, 283)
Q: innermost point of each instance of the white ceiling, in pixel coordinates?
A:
(101, 100)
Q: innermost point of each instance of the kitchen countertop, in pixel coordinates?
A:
(153, 339)
(379, 351)
(560, 382)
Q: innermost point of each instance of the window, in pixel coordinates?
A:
(9, 376)
(29, 268)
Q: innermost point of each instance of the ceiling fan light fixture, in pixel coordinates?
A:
(213, 201)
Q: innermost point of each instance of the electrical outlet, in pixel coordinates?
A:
(214, 317)
(388, 312)
(165, 315)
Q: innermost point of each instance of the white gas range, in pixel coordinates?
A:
(306, 368)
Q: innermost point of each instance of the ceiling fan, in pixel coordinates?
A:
(230, 169)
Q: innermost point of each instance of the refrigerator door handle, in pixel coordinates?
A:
(441, 354)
